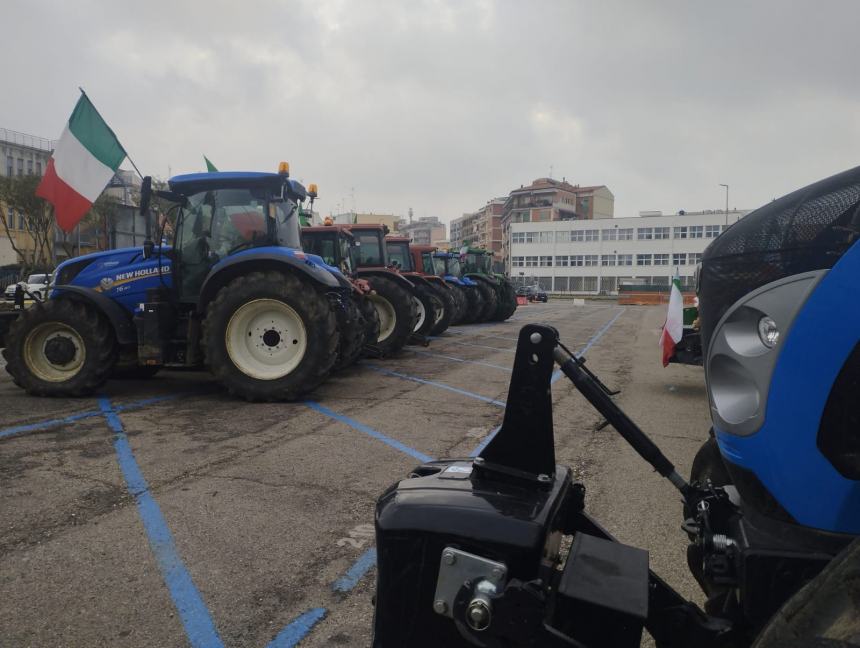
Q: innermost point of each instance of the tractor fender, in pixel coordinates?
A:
(388, 274)
(454, 280)
(119, 317)
(241, 264)
(417, 279)
(437, 281)
(479, 277)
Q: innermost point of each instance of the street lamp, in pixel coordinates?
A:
(727, 201)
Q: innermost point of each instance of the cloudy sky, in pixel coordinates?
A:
(440, 106)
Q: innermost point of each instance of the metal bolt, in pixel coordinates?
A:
(440, 607)
(478, 615)
(535, 338)
(449, 558)
(544, 479)
(478, 461)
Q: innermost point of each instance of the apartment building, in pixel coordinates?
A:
(482, 228)
(596, 256)
(549, 200)
(422, 231)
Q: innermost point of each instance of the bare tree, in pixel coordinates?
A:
(36, 219)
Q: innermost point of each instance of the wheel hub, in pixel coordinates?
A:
(271, 338)
(60, 350)
(266, 339)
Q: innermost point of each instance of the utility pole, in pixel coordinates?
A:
(727, 201)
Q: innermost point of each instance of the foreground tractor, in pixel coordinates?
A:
(392, 296)
(500, 551)
(478, 265)
(234, 293)
(434, 289)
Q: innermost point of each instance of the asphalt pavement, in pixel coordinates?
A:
(166, 513)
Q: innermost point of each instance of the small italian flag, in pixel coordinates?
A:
(673, 329)
(85, 159)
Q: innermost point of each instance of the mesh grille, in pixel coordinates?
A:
(797, 233)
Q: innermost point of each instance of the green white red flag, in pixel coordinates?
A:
(673, 329)
(85, 159)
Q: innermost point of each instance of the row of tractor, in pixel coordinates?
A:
(269, 306)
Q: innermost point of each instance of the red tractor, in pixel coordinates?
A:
(407, 259)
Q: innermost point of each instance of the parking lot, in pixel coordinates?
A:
(166, 513)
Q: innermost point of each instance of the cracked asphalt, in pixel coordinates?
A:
(267, 506)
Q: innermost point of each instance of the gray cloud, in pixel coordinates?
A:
(441, 105)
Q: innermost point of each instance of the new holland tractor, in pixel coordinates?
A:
(500, 551)
(449, 267)
(234, 292)
(393, 296)
(424, 262)
(438, 292)
(478, 265)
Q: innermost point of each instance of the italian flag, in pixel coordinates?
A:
(673, 329)
(86, 158)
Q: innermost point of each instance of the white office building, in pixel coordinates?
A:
(596, 256)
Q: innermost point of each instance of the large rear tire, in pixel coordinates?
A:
(429, 308)
(444, 320)
(371, 325)
(490, 299)
(61, 347)
(474, 305)
(508, 301)
(270, 336)
(352, 326)
(397, 315)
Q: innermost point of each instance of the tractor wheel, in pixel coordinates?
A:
(352, 327)
(444, 320)
(60, 348)
(397, 315)
(491, 301)
(474, 305)
(270, 336)
(429, 307)
(507, 303)
(459, 297)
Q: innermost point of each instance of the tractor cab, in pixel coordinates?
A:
(399, 254)
(478, 261)
(336, 246)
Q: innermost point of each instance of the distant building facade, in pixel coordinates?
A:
(548, 200)
(422, 231)
(21, 154)
(596, 256)
(369, 218)
(482, 228)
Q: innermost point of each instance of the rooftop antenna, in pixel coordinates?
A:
(410, 215)
(550, 172)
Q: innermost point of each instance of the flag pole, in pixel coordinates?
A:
(83, 92)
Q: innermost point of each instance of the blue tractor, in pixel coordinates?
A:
(474, 303)
(235, 292)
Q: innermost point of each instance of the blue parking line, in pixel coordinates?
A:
(483, 346)
(45, 425)
(433, 383)
(195, 617)
(361, 427)
(355, 573)
(456, 359)
(298, 629)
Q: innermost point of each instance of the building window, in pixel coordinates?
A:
(661, 233)
(592, 235)
(625, 259)
(723, 228)
(38, 167)
(607, 260)
(696, 231)
(576, 260)
(589, 284)
(562, 237)
(625, 234)
(712, 231)
(517, 261)
(661, 259)
(29, 167)
(609, 284)
(679, 258)
(545, 237)
(20, 166)
(694, 257)
(609, 234)
(577, 235)
(517, 237)
(643, 259)
(576, 284)
(546, 261)
(531, 261)
(562, 261)
(645, 233)
(681, 232)
(10, 166)
(560, 284)
(591, 259)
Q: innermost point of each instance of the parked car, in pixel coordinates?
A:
(37, 284)
(532, 293)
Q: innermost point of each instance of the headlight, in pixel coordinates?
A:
(768, 332)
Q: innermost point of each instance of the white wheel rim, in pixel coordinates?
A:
(266, 339)
(387, 316)
(422, 313)
(37, 361)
